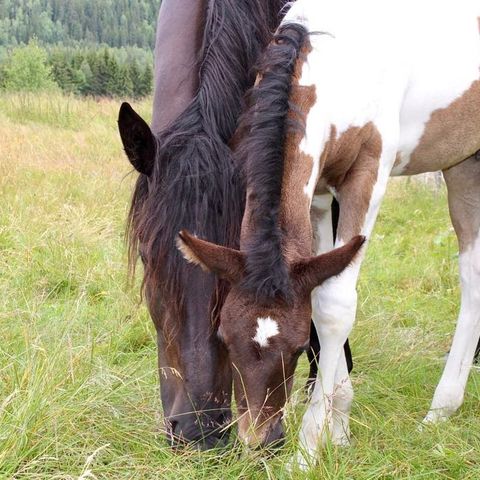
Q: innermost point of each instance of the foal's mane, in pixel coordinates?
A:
(196, 183)
(265, 126)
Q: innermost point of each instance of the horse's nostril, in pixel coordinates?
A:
(275, 437)
(204, 433)
(173, 425)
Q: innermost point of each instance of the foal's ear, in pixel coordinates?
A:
(138, 140)
(227, 263)
(312, 272)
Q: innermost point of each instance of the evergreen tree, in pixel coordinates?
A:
(116, 23)
(135, 74)
(146, 82)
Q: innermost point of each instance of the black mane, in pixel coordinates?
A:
(196, 183)
(265, 125)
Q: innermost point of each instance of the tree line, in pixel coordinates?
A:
(117, 23)
(86, 71)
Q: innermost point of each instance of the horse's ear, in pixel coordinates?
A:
(138, 140)
(227, 263)
(309, 273)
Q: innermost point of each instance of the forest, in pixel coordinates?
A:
(90, 48)
(117, 23)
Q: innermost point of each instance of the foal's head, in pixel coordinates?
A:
(265, 335)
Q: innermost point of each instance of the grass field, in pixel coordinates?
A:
(78, 381)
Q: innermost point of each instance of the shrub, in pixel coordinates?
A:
(27, 70)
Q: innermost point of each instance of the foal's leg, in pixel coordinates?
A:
(334, 302)
(463, 182)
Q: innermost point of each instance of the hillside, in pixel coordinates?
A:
(117, 23)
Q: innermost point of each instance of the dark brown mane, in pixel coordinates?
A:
(195, 183)
(265, 125)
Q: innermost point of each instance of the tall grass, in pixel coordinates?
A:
(78, 381)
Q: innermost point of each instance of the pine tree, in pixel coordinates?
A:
(135, 78)
(146, 81)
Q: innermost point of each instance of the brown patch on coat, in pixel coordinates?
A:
(463, 182)
(451, 135)
(350, 165)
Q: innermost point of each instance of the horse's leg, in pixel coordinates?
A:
(463, 182)
(326, 223)
(324, 217)
(334, 302)
(335, 209)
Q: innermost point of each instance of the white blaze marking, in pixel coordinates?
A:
(267, 328)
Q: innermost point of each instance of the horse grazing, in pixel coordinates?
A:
(349, 93)
(188, 179)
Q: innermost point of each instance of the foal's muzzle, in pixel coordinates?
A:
(269, 435)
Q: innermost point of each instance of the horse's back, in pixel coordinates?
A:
(411, 68)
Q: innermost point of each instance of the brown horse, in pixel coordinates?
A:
(342, 102)
(205, 53)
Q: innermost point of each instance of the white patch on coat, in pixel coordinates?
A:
(266, 329)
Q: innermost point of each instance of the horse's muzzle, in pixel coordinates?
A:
(198, 430)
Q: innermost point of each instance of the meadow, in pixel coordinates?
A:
(78, 380)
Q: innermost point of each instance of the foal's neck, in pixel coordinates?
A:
(298, 166)
(295, 203)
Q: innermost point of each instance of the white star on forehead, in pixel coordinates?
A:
(267, 328)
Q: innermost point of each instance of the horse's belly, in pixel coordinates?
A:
(450, 135)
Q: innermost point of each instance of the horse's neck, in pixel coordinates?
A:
(179, 39)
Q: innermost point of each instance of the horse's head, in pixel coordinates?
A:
(195, 373)
(265, 336)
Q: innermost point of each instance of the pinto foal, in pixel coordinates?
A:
(391, 88)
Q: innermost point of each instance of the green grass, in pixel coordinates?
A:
(78, 381)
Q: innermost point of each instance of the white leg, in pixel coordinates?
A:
(450, 390)
(321, 214)
(464, 201)
(342, 404)
(334, 306)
